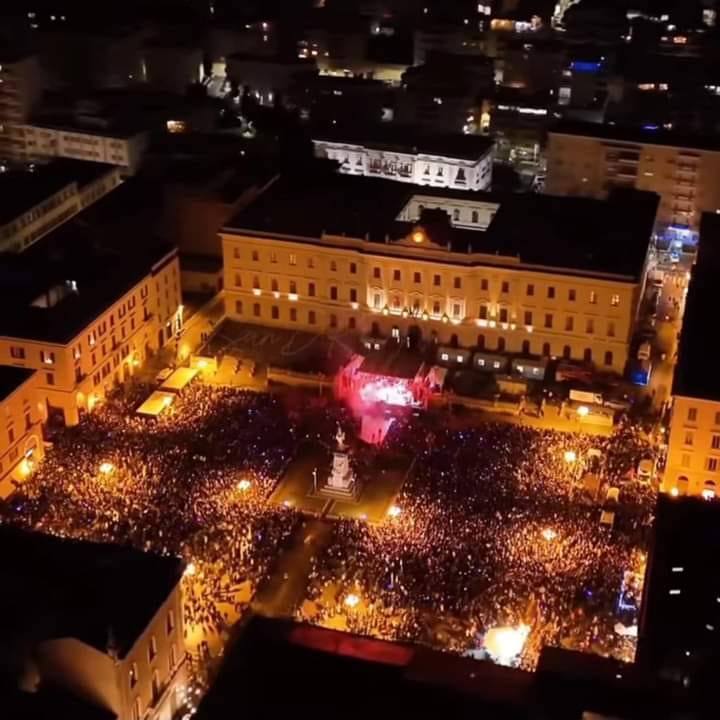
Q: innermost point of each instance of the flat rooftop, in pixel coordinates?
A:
(22, 190)
(11, 378)
(100, 126)
(637, 135)
(407, 139)
(55, 588)
(561, 234)
(682, 593)
(54, 289)
(696, 370)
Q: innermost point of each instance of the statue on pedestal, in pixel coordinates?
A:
(341, 481)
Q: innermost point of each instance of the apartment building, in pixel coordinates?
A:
(21, 88)
(693, 461)
(455, 161)
(40, 199)
(588, 159)
(85, 317)
(97, 142)
(21, 446)
(100, 622)
(529, 275)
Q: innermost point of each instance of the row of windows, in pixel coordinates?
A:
(689, 439)
(292, 260)
(692, 416)
(293, 315)
(333, 291)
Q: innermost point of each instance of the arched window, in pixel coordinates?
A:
(481, 342)
(475, 216)
(567, 352)
(456, 215)
(609, 358)
(587, 355)
(501, 344)
(682, 485)
(526, 347)
(546, 349)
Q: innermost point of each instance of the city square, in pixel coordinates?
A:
(490, 530)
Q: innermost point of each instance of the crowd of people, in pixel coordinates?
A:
(193, 482)
(492, 530)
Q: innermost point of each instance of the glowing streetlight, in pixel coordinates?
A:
(202, 364)
(190, 569)
(106, 468)
(244, 485)
(549, 534)
(352, 601)
(708, 494)
(570, 456)
(674, 492)
(583, 411)
(394, 511)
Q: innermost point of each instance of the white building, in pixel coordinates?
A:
(463, 162)
(123, 148)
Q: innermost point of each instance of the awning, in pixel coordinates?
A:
(179, 379)
(156, 403)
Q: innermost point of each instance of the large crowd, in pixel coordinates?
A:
(193, 482)
(492, 529)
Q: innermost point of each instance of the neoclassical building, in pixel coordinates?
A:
(530, 275)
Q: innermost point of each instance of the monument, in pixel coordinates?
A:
(341, 483)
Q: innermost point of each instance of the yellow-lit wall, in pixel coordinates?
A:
(98, 678)
(685, 178)
(75, 376)
(21, 441)
(693, 462)
(259, 272)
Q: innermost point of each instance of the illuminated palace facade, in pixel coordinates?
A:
(461, 269)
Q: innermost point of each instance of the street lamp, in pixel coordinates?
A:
(549, 534)
(106, 468)
(394, 511)
(583, 411)
(244, 485)
(570, 456)
(352, 600)
(674, 492)
(190, 569)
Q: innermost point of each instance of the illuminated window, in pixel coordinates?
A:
(273, 257)
(17, 352)
(593, 297)
(293, 259)
(133, 675)
(377, 300)
(615, 300)
(395, 332)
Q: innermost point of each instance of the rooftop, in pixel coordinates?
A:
(22, 190)
(89, 125)
(11, 378)
(681, 614)
(620, 133)
(96, 593)
(408, 139)
(696, 371)
(540, 230)
(79, 269)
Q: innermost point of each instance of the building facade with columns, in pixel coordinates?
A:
(527, 275)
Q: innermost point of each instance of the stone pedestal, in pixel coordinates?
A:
(341, 482)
